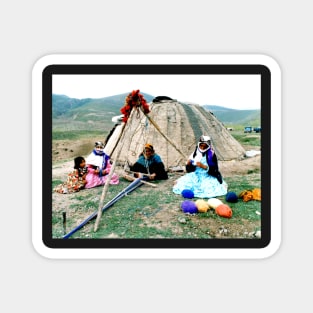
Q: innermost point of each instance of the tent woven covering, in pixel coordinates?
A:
(182, 123)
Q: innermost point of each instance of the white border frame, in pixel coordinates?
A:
(209, 253)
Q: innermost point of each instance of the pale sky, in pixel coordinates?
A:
(242, 92)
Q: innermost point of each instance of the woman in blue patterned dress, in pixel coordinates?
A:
(203, 176)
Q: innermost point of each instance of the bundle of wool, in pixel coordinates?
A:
(202, 205)
(231, 197)
(189, 207)
(186, 193)
(224, 210)
(248, 195)
(214, 202)
(256, 192)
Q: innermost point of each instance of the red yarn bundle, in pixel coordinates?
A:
(134, 100)
(224, 210)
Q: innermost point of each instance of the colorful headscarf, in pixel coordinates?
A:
(149, 146)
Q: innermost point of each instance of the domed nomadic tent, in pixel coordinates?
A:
(172, 127)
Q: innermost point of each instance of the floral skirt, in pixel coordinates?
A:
(74, 183)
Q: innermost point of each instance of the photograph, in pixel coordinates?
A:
(171, 152)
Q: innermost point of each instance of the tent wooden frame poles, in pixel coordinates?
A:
(107, 183)
(121, 138)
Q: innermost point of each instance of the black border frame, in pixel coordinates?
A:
(156, 69)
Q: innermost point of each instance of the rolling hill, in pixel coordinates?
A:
(69, 114)
(235, 117)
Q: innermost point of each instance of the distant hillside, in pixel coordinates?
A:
(63, 105)
(217, 108)
(96, 114)
(235, 117)
(88, 114)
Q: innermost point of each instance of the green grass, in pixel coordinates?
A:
(247, 139)
(76, 134)
(139, 214)
(150, 213)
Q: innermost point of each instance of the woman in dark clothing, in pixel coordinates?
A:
(149, 163)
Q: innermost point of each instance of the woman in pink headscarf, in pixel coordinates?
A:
(99, 167)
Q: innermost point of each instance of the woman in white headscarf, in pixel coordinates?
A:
(203, 176)
(99, 167)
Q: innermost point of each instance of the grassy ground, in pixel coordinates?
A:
(150, 212)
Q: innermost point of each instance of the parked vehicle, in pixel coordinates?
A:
(257, 129)
(248, 129)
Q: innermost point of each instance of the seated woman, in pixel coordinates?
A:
(203, 176)
(99, 166)
(149, 163)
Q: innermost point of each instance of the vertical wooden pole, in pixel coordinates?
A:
(104, 192)
(107, 182)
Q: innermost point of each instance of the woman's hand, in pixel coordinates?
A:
(199, 164)
(152, 176)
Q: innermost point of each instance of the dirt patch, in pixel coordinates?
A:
(69, 149)
(242, 167)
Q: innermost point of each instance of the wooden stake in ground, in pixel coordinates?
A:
(64, 222)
